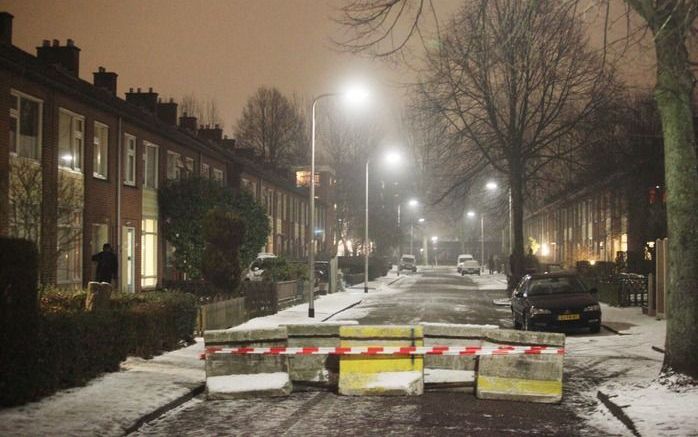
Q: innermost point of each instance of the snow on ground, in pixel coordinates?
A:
(110, 404)
(626, 368)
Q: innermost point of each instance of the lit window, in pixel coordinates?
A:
(149, 253)
(25, 126)
(129, 160)
(100, 151)
(71, 129)
(150, 174)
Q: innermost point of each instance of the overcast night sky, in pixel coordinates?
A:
(222, 49)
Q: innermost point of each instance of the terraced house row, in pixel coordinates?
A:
(80, 166)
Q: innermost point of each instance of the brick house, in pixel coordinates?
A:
(80, 166)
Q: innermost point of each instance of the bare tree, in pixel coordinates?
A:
(512, 80)
(26, 196)
(670, 22)
(272, 126)
(205, 110)
(345, 143)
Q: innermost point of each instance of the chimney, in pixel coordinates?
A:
(105, 79)
(167, 112)
(228, 143)
(67, 57)
(187, 122)
(214, 134)
(6, 28)
(147, 100)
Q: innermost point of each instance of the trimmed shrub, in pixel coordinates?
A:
(279, 269)
(355, 264)
(19, 314)
(74, 346)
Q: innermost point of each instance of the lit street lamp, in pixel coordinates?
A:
(353, 95)
(390, 158)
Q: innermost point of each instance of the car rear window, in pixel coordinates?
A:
(542, 286)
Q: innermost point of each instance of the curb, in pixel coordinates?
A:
(617, 412)
(193, 392)
(340, 311)
(615, 331)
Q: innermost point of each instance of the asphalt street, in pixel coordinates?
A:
(439, 296)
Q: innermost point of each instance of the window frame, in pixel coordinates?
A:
(95, 172)
(174, 170)
(130, 177)
(15, 113)
(74, 135)
(146, 173)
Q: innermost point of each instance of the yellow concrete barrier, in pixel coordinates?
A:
(381, 374)
(530, 378)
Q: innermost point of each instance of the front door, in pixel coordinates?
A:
(128, 260)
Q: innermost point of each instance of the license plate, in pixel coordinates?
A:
(568, 317)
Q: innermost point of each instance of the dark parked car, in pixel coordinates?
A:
(555, 301)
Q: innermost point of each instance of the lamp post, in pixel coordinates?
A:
(472, 214)
(391, 157)
(434, 239)
(354, 94)
(412, 203)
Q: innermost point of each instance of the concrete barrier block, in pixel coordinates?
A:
(229, 364)
(247, 386)
(531, 378)
(444, 334)
(315, 370)
(381, 374)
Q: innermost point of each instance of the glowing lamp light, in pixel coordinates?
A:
(413, 202)
(592, 262)
(471, 213)
(67, 157)
(393, 157)
(545, 249)
(434, 239)
(421, 220)
(356, 94)
(491, 185)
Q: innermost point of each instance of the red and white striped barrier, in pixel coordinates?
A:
(381, 350)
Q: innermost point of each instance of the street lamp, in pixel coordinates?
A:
(391, 158)
(354, 95)
(472, 214)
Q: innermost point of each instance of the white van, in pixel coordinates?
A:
(407, 262)
(467, 264)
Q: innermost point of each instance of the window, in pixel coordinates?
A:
(69, 261)
(174, 164)
(188, 166)
(25, 125)
(218, 176)
(100, 151)
(205, 170)
(71, 128)
(129, 160)
(150, 174)
(149, 253)
(303, 178)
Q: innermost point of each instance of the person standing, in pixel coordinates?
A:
(490, 264)
(107, 264)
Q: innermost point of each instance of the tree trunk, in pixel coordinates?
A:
(673, 94)
(517, 244)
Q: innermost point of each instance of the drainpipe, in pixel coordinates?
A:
(119, 145)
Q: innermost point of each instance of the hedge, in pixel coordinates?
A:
(74, 346)
(377, 266)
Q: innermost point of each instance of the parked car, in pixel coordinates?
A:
(255, 270)
(467, 264)
(408, 262)
(555, 301)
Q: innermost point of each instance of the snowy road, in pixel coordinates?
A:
(429, 296)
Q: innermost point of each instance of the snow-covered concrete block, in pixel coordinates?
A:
(246, 386)
(447, 334)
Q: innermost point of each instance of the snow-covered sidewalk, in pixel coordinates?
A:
(625, 368)
(116, 403)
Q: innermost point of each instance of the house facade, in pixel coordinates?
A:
(80, 167)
